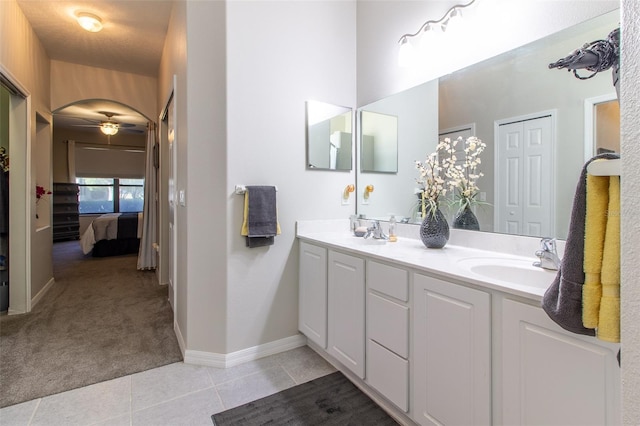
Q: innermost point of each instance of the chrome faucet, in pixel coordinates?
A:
(375, 231)
(548, 255)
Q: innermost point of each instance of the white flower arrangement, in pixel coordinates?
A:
(463, 178)
(432, 173)
(439, 173)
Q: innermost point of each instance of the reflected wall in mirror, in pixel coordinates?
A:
(329, 136)
(509, 88)
(378, 142)
(417, 112)
(606, 128)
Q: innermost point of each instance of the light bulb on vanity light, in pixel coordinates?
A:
(454, 22)
(430, 38)
(405, 53)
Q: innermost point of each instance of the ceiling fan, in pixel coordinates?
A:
(109, 126)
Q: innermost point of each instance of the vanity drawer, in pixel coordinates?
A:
(388, 374)
(388, 324)
(388, 280)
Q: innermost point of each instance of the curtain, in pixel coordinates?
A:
(147, 253)
(71, 160)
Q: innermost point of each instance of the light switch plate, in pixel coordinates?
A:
(181, 198)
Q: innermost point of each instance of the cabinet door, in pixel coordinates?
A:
(452, 355)
(346, 311)
(312, 306)
(553, 377)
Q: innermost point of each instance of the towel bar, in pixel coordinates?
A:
(241, 189)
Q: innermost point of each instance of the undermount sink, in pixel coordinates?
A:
(510, 270)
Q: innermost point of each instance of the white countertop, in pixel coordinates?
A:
(446, 262)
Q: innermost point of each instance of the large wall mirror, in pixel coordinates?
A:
(329, 136)
(492, 100)
(378, 142)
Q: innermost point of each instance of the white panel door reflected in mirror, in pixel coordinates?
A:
(329, 136)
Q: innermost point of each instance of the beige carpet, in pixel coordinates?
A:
(101, 320)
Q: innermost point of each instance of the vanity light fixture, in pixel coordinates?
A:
(89, 22)
(448, 21)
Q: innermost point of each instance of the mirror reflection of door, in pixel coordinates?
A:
(525, 149)
(606, 127)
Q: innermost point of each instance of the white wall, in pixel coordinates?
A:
(205, 186)
(23, 57)
(200, 100)
(279, 55)
(630, 111)
(71, 83)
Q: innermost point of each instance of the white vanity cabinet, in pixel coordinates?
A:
(437, 351)
(346, 281)
(312, 293)
(388, 332)
(451, 353)
(553, 377)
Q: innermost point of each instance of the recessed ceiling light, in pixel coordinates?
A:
(89, 22)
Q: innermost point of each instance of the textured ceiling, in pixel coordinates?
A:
(131, 41)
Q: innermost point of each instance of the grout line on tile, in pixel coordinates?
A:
(220, 399)
(172, 399)
(231, 379)
(130, 400)
(289, 374)
(35, 409)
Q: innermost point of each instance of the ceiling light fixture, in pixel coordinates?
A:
(109, 128)
(89, 22)
(426, 30)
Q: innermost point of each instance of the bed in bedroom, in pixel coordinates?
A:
(113, 234)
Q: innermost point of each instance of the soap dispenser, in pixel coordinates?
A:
(392, 229)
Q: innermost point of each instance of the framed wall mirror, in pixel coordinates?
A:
(512, 87)
(329, 136)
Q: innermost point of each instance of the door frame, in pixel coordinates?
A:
(166, 252)
(553, 113)
(589, 121)
(21, 191)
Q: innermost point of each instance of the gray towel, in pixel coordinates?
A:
(563, 299)
(262, 218)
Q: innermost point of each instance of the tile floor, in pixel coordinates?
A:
(175, 394)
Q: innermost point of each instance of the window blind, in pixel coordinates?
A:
(109, 161)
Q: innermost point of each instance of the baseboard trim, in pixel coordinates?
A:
(176, 329)
(38, 297)
(210, 359)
